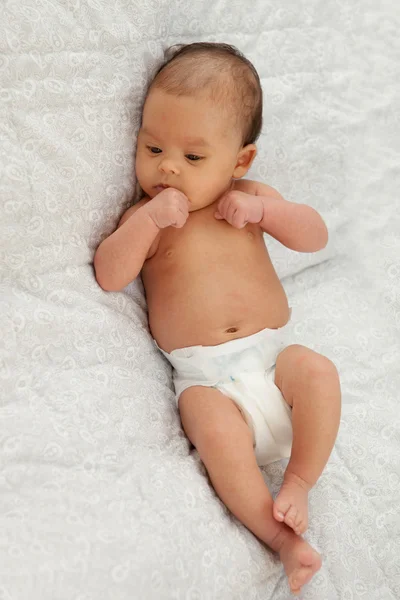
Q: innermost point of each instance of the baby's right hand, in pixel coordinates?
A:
(170, 208)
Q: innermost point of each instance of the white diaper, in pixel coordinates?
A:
(244, 370)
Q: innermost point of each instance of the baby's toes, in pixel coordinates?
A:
(280, 509)
(299, 578)
(300, 526)
(291, 516)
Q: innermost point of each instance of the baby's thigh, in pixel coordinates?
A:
(211, 419)
(299, 368)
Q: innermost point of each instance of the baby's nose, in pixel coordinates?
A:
(168, 166)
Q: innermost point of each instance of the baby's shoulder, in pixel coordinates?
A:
(256, 188)
(246, 185)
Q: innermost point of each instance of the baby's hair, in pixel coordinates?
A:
(221, 70)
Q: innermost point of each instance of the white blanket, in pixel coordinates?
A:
(101, 496)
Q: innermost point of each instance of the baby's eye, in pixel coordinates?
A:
(154, 149)
(193, 157)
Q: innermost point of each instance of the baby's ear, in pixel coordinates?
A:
(244, 160)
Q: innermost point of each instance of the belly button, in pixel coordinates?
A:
(231, 330)
(169, 253)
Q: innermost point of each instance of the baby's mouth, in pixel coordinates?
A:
(159, 188)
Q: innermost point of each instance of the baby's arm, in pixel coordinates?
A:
(120, 257)
(297, 226)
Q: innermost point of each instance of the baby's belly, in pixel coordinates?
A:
(183, 320)
(208, 297)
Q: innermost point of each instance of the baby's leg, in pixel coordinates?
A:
(310, 384)
(217, 429)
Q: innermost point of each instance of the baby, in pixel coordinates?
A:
(217, 309)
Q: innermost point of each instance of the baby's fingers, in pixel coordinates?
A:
(231, 213)
(223, 206)
(239, 220)
(181, 218)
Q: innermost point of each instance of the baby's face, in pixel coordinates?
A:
(186, 143)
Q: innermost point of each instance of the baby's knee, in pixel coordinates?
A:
(321, 367)
(313, 366)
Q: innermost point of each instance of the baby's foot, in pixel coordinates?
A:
(291, 504)
(300, 561)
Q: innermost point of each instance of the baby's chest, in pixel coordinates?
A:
(199, 239)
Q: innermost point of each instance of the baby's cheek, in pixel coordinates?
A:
(138, 168)
(142, 174)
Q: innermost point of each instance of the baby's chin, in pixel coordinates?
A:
(195, 204)
(199, 202)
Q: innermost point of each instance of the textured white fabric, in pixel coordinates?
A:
(244, 370)
(101, 496)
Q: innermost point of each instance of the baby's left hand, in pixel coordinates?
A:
(238, 209)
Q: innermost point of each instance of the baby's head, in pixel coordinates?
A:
(201, 118)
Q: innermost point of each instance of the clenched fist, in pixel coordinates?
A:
(238, 209)
(170, 208)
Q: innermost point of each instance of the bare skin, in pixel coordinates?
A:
(209, 279)
(214, 308)
(216, 428)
